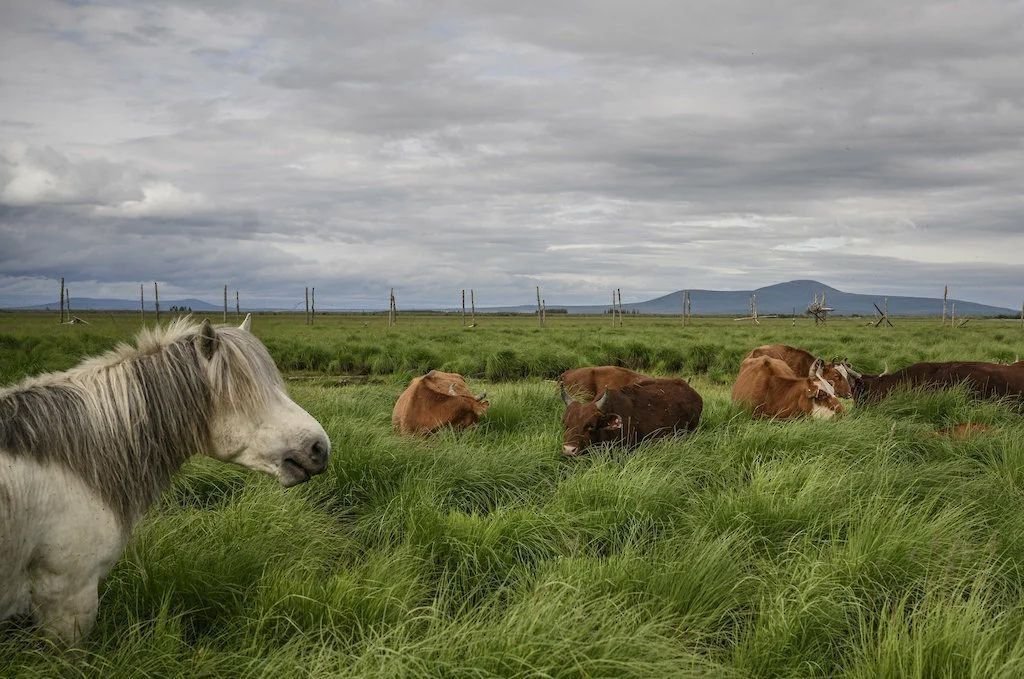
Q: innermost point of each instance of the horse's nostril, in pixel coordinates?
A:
(318, 451)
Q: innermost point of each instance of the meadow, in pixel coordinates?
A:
(869, 546)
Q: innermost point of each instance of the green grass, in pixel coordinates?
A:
(864, 547)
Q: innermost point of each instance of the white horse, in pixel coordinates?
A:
(85, 452)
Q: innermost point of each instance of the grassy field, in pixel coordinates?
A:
(870, 546)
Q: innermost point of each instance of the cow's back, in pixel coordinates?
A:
(798, 360)
(591, 381)
(982, 379)
(659, 406)
(752, 382)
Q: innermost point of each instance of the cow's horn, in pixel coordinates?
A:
(565, 395)
(482, 396)
(599, 403)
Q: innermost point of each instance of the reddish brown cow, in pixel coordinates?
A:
(984, 380)
(770, 389)
(651, 408)
(436, 400)
(838, 373)
(588, 382)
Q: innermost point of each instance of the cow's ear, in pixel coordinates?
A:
(613, 422)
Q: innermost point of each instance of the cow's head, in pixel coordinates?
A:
(475, 409)
(841, 375)
(821, 394)
(586, 424)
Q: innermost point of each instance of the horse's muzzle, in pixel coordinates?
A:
(300, 465)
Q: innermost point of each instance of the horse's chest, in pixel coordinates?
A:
(53, 530)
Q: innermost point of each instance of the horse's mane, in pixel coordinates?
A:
(126, 420)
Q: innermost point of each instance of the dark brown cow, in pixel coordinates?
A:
(771, 389)
(436, 400)
(984, 380)
(587, 383)
(837, 372)
(651, 408)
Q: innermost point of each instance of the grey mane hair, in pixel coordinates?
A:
(126, 420)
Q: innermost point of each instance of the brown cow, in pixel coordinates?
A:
(984, 380)
(587, 383)
(838, 372)
(436, 400)
(771, 389)
(651, 408)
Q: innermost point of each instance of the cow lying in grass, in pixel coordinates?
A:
(838, 372)
(984, 380)
(769, 388)
(436, 400)
(651, 408)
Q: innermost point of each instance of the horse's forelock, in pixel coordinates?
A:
(242, 373)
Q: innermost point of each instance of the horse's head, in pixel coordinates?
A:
(254, 423)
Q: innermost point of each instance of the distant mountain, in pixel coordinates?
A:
(94, 304)
(783, 298)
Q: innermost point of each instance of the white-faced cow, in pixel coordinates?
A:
(837, 372)
(769, 388)
(648, 409)
(436, 400)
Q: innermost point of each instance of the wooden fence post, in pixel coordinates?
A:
(306, 320)
(225, 304)
(156, 301)
(945, 297)
(312, 306)
(619, 292)
(142, 304)
(472, 306)
(540, 315)
(463, 307)
(238, 307)
(61, 299)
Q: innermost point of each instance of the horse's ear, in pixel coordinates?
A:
(207, 339)
(247, 323)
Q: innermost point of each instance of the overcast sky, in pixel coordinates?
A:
(430, 146)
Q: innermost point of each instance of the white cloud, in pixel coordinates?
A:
(159, 199)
